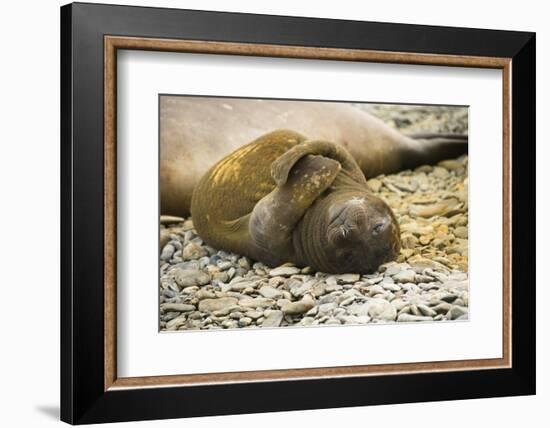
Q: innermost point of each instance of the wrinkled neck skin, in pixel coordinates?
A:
(314, 237)
(310, 235)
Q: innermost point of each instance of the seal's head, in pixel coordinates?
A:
(347, 232)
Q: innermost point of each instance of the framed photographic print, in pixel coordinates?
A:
(281, 213)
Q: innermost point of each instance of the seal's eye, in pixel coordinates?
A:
(379, 227)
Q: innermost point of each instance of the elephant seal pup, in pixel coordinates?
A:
(283, 198)
(196, 132)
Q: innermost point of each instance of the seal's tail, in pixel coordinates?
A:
(436, 147)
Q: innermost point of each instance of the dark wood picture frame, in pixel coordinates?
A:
(90, 36)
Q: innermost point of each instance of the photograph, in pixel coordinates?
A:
(308, 213)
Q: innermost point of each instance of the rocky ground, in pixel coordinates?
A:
(205, 288)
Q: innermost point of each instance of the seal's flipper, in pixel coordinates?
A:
(280, 169)
(432, 148)
(275, 216)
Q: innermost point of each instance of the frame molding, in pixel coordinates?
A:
(114, 43)
(90, 391)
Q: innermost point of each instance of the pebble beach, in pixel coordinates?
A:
(204, 288)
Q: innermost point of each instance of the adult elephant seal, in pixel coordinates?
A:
(284, 198)
(196, 132)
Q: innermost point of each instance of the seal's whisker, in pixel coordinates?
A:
(344, 231)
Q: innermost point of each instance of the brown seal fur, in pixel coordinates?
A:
(283, 198)
(196, 132)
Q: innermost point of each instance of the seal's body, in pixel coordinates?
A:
(283, 198)
(196, 132)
